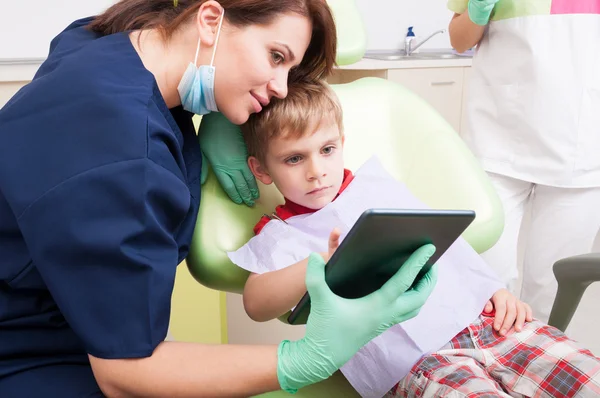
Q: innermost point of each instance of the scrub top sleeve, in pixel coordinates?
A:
(458, 6)
(104, 243)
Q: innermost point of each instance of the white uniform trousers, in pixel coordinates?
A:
(564, 223)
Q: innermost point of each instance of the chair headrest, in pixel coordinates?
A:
(351, 33)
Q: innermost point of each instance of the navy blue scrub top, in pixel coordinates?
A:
(99, 193)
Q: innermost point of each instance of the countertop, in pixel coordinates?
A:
(18, 70)
(434, 58)
(372, 64)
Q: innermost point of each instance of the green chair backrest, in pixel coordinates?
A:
(413, 142)
(351, 34)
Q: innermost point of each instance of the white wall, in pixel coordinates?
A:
(27, 27)
(387, 21)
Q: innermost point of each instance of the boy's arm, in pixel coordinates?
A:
(272, 294)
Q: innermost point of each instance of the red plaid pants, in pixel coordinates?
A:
(540, 361)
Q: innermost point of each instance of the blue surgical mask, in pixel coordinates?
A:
(197, 85)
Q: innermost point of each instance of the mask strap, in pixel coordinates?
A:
(217, 39)
(216, 42)
(197, 51)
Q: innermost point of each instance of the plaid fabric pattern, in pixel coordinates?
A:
(538, 362)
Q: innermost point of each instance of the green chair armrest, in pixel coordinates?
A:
(224, 226)
(574, 275)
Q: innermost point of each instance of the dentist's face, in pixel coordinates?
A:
(252, 64)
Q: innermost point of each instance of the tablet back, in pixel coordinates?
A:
(379, 243)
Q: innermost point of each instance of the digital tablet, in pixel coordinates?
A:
(379, 243)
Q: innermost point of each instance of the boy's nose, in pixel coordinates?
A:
(316, 171)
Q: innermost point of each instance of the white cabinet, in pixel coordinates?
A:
(342, 76)
(8, 89)
(441, 87)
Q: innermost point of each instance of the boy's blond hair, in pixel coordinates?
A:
(307, 106)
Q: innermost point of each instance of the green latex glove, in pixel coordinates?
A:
(204, 171)
(481, 10)
(224, 147)
(337, 328)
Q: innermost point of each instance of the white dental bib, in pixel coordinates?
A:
(465, 282)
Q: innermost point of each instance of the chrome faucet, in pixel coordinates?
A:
(408, 47)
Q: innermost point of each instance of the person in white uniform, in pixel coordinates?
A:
(534, 123)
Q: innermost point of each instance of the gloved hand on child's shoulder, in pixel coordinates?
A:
(223, 145)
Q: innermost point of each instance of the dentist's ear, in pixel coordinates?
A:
(208, 18)
(259, 171)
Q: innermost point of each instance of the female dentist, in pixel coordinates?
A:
(99, 193)
(534, 123)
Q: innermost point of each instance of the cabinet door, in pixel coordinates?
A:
(341, 76)
(8, 89)
(441, 87)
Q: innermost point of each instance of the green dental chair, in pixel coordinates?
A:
(411, 139)
(414, 143)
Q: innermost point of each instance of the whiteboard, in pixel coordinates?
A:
(28, 26)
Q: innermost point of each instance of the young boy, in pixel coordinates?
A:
(297, 144)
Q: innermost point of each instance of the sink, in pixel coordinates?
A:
(399, 55)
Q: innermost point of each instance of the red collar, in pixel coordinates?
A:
(290, 209)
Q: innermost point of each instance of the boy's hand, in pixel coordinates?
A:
(334, 243)
(509, 312)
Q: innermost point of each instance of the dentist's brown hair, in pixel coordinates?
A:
(308, 106)
(164, 15)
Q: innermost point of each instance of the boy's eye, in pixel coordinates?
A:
(328, 149)
(293, 160)
(277, 57)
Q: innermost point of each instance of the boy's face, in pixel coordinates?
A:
(308, 170)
